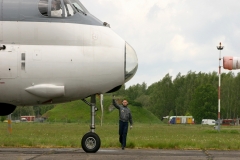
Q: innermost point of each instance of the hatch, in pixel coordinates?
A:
(8, 64)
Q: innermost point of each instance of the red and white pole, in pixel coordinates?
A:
(220, 47)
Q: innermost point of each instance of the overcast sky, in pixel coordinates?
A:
(172, 36)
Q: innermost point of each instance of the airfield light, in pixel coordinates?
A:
(220, 47)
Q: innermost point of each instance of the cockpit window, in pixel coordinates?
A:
(69, 9)
(43, 7)
(60, 8)
(77, 7)
(56, 9)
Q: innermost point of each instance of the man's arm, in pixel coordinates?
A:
(130, 119)
(115, 104)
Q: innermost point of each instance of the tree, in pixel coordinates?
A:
(40, 110)
(204, 104)
(136, 91)
(177, 95)
(162, 97)
(121, 91)
(2, 118)
(228, 95)
(23, 111)
(180, 94)
(144, 100)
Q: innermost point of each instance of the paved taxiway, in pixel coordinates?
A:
(116, 154)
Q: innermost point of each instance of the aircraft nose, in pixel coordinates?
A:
(131, 62)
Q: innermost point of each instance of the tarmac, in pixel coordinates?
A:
(114, 154)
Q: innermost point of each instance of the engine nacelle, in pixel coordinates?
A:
(231, 63)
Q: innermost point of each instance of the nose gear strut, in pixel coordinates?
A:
(91, 141)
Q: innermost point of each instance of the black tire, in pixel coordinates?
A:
(91, 142)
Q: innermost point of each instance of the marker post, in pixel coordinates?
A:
(9, 124)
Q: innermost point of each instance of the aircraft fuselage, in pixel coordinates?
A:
(50, 59)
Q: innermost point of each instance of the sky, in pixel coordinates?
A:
(173, 36)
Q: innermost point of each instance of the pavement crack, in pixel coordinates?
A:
(44, 153)
(209, 156)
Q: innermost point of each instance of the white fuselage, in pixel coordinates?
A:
(58, 62)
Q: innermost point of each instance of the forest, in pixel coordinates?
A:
(193, 94)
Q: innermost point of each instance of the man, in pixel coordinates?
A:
(125, 116)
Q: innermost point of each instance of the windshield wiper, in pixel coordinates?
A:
(79, 10)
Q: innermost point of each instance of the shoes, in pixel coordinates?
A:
(122, 148)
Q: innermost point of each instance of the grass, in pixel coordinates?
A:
(157, 136)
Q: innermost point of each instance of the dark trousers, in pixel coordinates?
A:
(123, 129)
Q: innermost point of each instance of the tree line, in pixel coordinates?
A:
(193, 94)
(37, 111)
(30, 111)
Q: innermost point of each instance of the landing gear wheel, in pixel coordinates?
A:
(91, 142)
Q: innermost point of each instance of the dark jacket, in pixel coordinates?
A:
(124, 113)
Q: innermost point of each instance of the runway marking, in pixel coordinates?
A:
(103, 150)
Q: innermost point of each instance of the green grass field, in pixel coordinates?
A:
(157, 136)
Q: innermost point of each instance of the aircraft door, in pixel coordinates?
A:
(8, 62)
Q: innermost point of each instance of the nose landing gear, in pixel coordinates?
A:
(91, 141)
